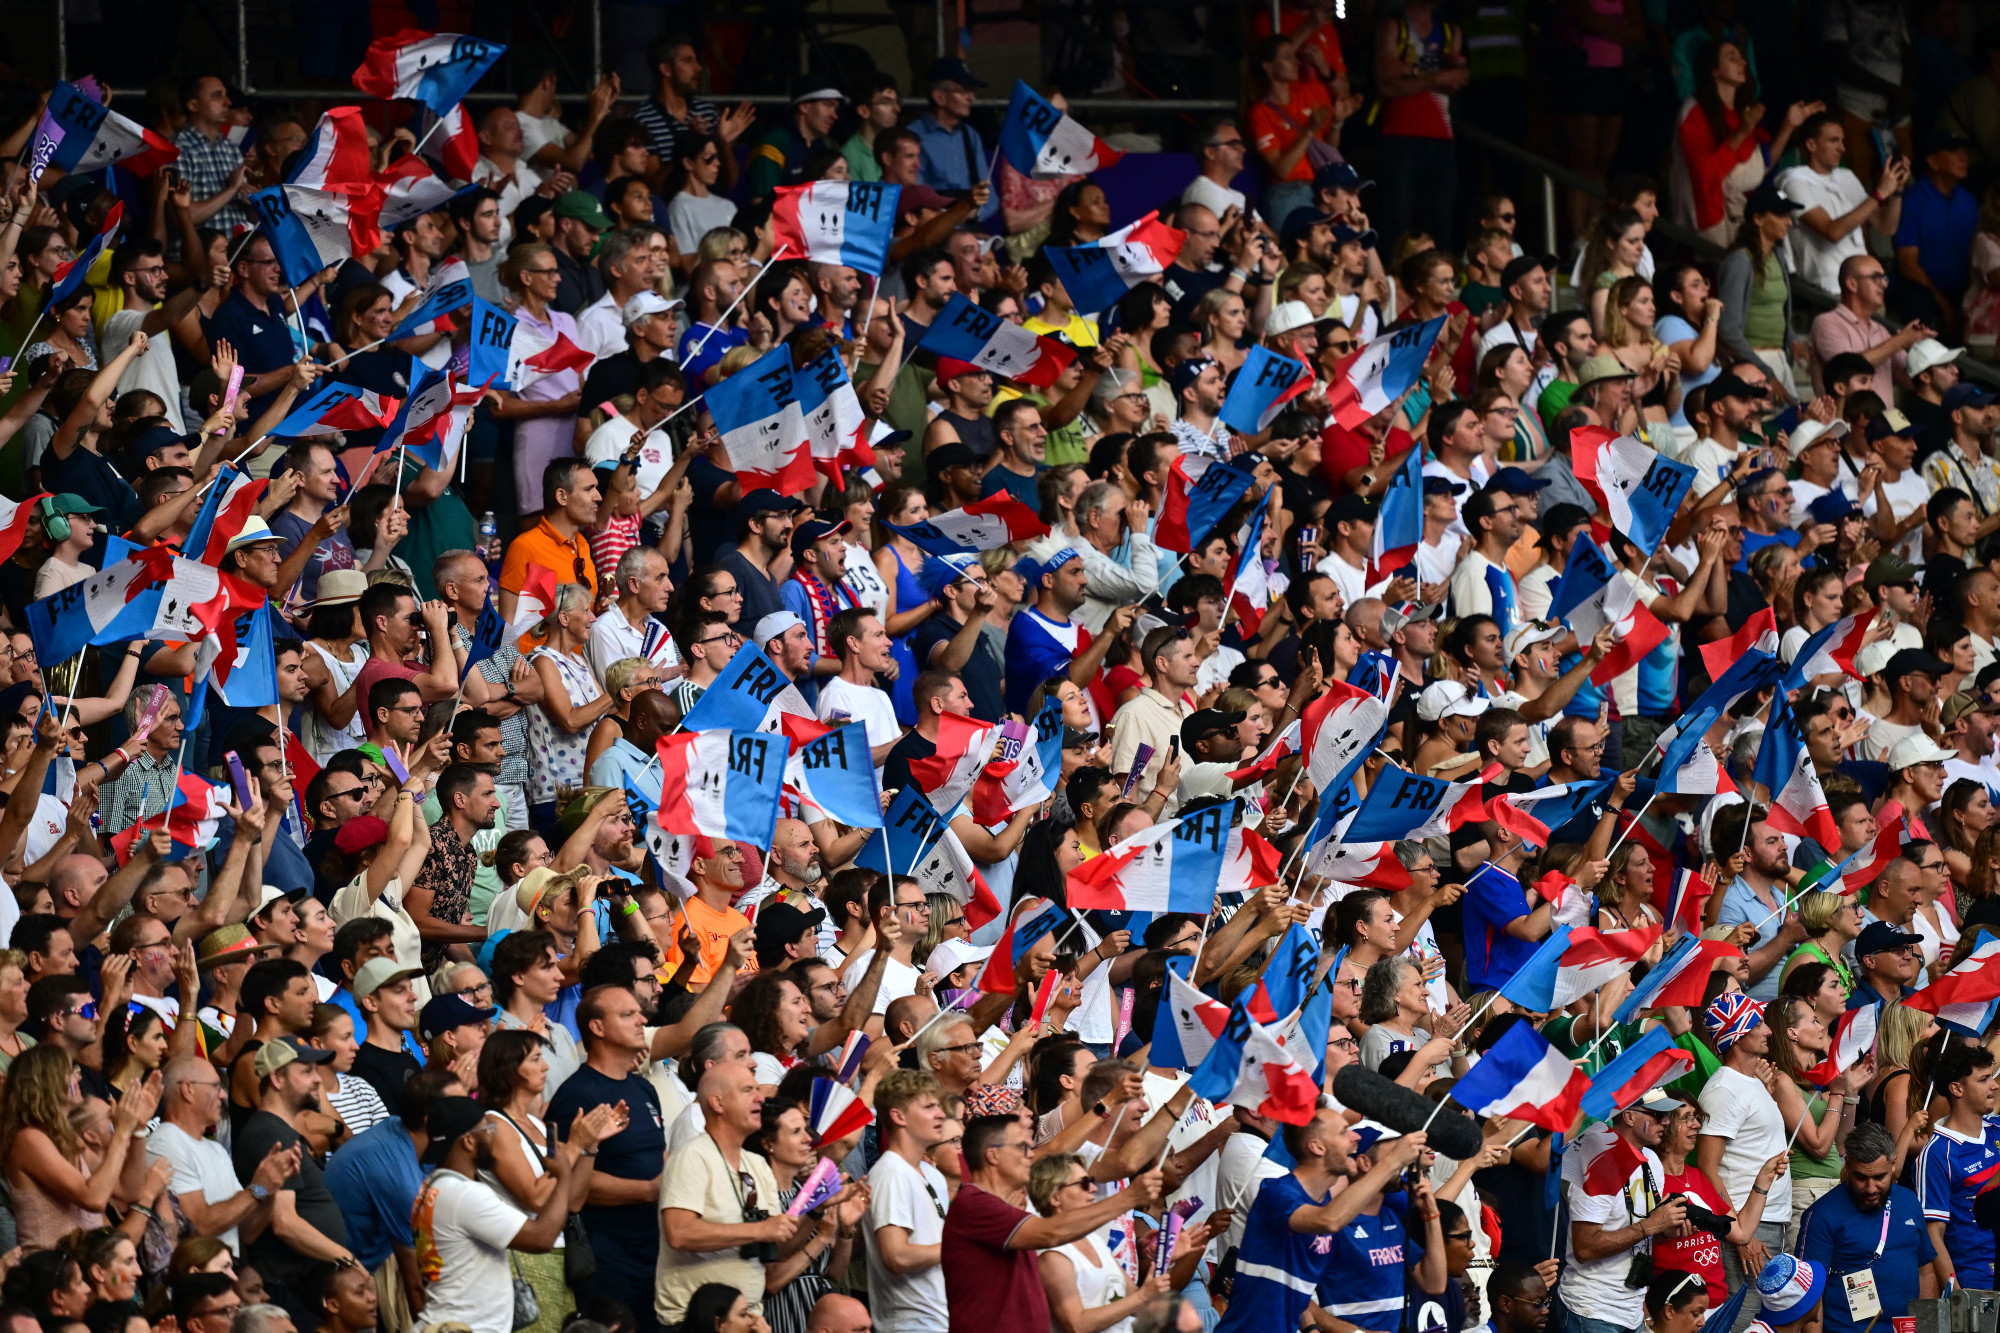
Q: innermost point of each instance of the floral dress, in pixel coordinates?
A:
(555, 757)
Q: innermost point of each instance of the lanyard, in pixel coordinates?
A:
(1882, 1242)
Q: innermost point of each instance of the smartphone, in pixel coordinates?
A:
(238, 778)
(1173, 748)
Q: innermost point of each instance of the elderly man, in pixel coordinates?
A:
(954, 156)
(1119, 558)
(628, 628)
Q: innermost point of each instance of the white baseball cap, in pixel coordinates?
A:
(1286, 316)
(1917, 749)
(1447, 698)
(1529, 633)
(1811, 432)
(646, 303)
(1929, 353)
(951, 955)
(772, 625)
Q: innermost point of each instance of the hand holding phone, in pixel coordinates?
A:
(238, 778)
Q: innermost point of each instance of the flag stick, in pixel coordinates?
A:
(868, 315)
(69, 700)
(931, 1022)
(29, 340)
(1518, 1137)
(243, 243)
(1555, 1230)
(435, 124)
(1205, 923)
(1803, 1113)
(1634, 824)
(723, 318)
(341, 361)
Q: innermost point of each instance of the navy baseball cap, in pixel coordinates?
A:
(1832, 507)
(1444, 486)
(1339, 176)
(1187, 372)
(1513, 481)
(1967, 394)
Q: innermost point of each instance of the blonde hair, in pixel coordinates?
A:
(1898, 1035)
(569, 597)
(620, 674)
(37, 1097)
(1049, 1175)
(736, 358)
(1818, 909)
(517, 260)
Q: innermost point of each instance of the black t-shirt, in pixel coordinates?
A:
(710, 526)
(760, 591)
(896, 768)
(315, 1203)
(610, 377)
(981, 672)
(1303, 493)
(1186, 287)
(1943, 577)
(386, 1072)
(626, 1236)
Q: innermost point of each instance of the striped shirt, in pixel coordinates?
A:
(663, 131)
(358, 1104)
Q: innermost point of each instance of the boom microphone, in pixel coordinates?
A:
(1388, 1102)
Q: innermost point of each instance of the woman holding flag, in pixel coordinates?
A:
(1816, 1117)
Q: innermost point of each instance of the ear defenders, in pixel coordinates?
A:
(54, 522)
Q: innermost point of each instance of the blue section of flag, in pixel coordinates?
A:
(1584, 576)
(491, 338)
(1400, 522)
(1753, 671)
(1167, 1051)
(741, 697)
(1089, 276)
(308, 415)
(204, 518)
(1601, 1101)
(444, 85)
(253, 680)
(754, 393)
(1656, 500)
(869, 226)
(451, 296)
(1212, 495)
(1533, 985)
(290, 239)
(1030, 120)
(1265, 380)
(488, 634)
(1502, 1069)
(1398, 802)
(911, 826)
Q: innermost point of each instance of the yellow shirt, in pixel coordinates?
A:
(1080, 331)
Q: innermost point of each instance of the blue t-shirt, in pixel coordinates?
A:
(1363, 1278)
(694, 364)
(1951, 1172)
(1022, 488)
(981, 672)
(1673, 329)
(1836, 1233)
(1492, 899)
(375, 1179)
(262, 339)
(1277, 1269)
(1741, 904)
(1942, 230)
(626, 1236)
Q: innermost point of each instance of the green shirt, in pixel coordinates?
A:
(861, 163)
(1705, 1065)
(1804, 1164)
(1554, 399)
(1065, 444)
(1479, 298)
(1620, 1035)
(1764, 321)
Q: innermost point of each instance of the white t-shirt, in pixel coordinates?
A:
(201, 1166)
(861, 703)
(1218, 199)
(1815, 259)
(463, 1228)
(537, 132)
(352, 901)
(1596, 1289)
(1352, 582)
(916, 1199)
(1745, 1117)
(898, 979)
(1907, 494)
(152, 370)
(1242, 1172)
(1711, 462)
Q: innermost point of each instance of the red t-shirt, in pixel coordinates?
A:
(1274, 128)
(375, 669)
(988, 1287)
(1701, 1253)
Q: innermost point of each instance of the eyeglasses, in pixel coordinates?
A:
(951, 1050)
(351, 791)
(1345, 1044)
(920, 905)
(728, 636)
(1463, 1237)
(538, 272)
(1226, 143)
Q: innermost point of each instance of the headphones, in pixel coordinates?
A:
(54, 523)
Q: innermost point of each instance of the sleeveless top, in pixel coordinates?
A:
(1425, 115)
(977, 432)
(323, 739)
(537, 1162)
(1100, 1280)
(42, 1220)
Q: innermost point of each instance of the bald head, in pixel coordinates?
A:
(835, 1313)
(74, 881)
(650, 718)
(1365, 619)
(903, 1017)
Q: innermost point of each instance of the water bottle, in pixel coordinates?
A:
(489, 543)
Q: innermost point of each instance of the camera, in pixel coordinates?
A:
(762, 1251)
(1715, 1224)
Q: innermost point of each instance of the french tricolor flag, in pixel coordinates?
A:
(1555, 806)
(1962, 996)
(312, 230)
(722, 784)
(1266, 384)
(1043, 143)
(1188, 1024)
(1250, 586)
(1337, 729)
(89, 136)
(1200, 492)
(838, 222)
(337, 407)
(1759, 632)
(1264, 1078)
(1402, 804)
(1685, 898)
(1171, 867)
(14, 516)
(1798, 804)
(1095, 276)
(190, 820)
(1523, 1077)
(762, 424)
(407, 187)
(1677, 980)
(1701, 774)
(1890, 839)
(1650, 1062)
(1573, 962)
(1638, 489)
(422, 417)
(1852, 1037)
(437, 69)
(453, 148)
(1399, 526)
(964, 745)
(1364, 865)
(1831, 651)
(224, 510)
(1249, 862)
(1285, 744)
(752, 695)
(1367, 381)
(967, 333)
(1591, 596)
(836, 423)
(998, 520)
(337, 153)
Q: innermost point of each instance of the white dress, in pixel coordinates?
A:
(323, 739)
(555, 757)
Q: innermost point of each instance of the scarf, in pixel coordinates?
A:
(825, 603)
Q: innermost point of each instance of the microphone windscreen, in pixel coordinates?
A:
(1452, 1133)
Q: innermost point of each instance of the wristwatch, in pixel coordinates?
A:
(259, 1193)
(1100, 1110)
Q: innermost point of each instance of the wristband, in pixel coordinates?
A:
(631, 908)
(1240, 275)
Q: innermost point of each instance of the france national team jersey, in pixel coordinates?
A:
(1277, 1268)
(1951, 1172)
(1363, 1277)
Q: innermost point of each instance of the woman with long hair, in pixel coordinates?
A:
(1816, 1118)
(334, 634)
(544, 413)
(1141, 313)
(54, 1188)
(1950, 644)
(1690, 319)
(776, 1016)
(1819, 986)
(1222, 319)
(1365, 925)
(1084, 1282)
(1886, 1100)
(718, 1308)
(13, 1008)
(135, 1045)
(1722, 139)
(1832, 921)
(897, 560)
(862, 579)
(352, 1098)
(518, 852)
(1615, 251)
(1964, 827)
(794, 1283)
(1081, 216)
(780, 302)
(572, 701)
(1511, 370)
(1629, 317)
(1756, 292)
(110, 1262)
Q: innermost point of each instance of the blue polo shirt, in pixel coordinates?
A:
(375, 1179)
(1893, 1243)
(1951, 1172)
(1941, 229)
(1492, 899)
(262, 338)
(1277, 1269)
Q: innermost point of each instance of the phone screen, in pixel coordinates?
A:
(237, 777)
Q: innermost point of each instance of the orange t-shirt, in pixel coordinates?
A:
(713, 927)
(543, 545)
(1274, 129)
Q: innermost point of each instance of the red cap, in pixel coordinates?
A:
(360, 833)
(950, 368)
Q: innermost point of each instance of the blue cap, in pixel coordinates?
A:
(1832, 507)
(1188, 371)
(1788, 1288)
(941, 571)
(1342, 234)
(1055, 561)
(1444, 486)
(1339, 176)
(1513, 481)
(1965, 393)
(949, 69)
